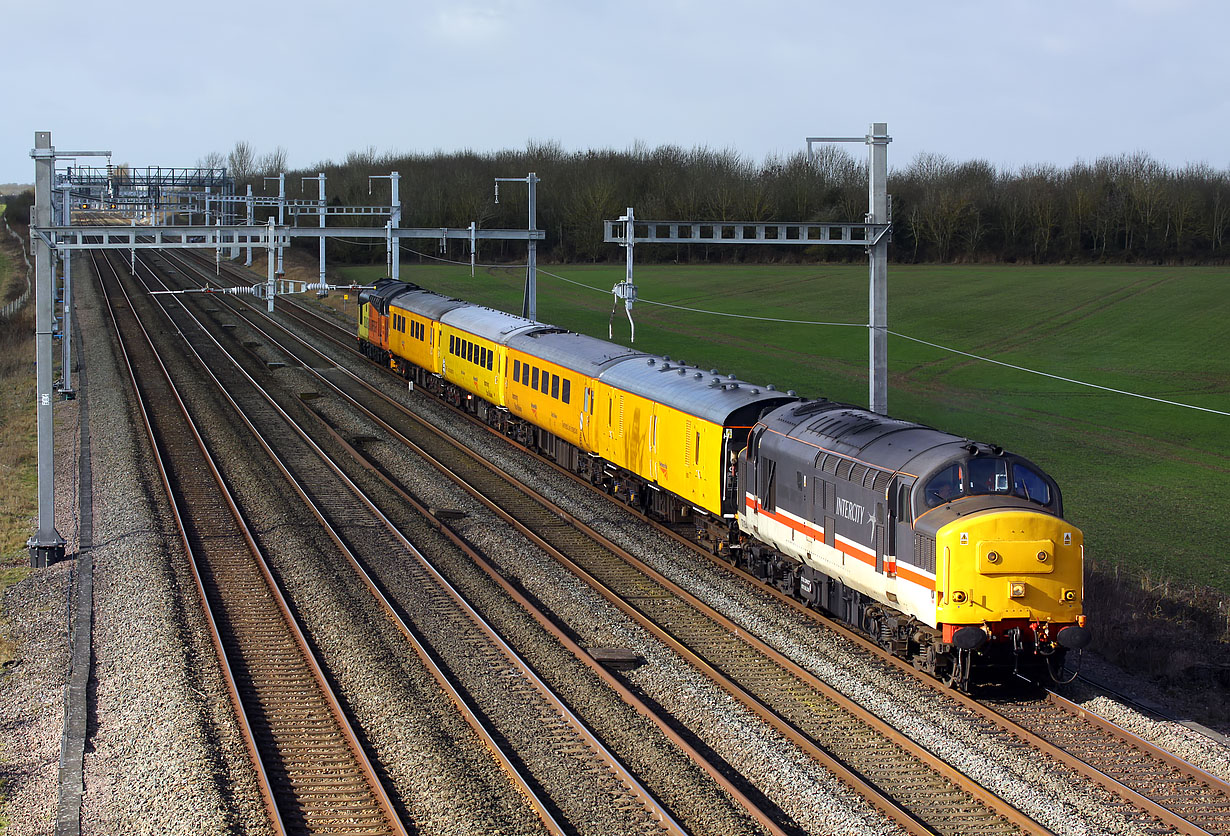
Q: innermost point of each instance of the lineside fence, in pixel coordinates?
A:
(14, 306)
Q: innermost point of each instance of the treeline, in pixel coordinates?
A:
(17, 207)
(1128, 208)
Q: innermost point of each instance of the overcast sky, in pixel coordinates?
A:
(1010, 82)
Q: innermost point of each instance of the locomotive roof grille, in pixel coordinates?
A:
(811, 407)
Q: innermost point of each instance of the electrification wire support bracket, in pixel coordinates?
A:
(625, 290)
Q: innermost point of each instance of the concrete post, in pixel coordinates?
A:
(251, 222)
(877, 201)
(66, 327)
(395, 222)
(47, 546)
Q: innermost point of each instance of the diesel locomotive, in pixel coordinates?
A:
(948, 552)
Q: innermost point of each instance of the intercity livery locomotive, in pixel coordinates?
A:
(951, 553)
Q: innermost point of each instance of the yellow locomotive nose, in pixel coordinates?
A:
(1009, 564)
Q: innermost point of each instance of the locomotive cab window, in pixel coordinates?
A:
(1029, 484)
(987, 476)
(946, 485)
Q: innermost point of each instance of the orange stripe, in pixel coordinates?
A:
(818, 534)
(914, 577)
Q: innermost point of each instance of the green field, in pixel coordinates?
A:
(1147, 482)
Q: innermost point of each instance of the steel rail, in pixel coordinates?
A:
(1082, 767)
(849, 775)
(469, 712)
(662, 720)
(1133, 796)
(269, 797)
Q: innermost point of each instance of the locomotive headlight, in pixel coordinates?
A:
(1016, 589)
(1043, 556)
(958, 597)
(1069, 595)
(993, 557)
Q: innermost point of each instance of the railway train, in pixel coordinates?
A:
(948, 552)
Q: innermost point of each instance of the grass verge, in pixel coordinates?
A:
(18, 443)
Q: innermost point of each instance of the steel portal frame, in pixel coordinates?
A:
(873, 234)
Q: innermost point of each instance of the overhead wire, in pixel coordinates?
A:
(897, 334)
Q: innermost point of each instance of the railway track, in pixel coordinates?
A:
(522, 722)
(313, 772)
(1187, 798)
(905, 781)
(1162, 786)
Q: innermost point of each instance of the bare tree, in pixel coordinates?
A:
(214, 159)
(242, 162)
(273, 163)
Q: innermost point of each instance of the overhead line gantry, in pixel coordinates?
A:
(169, 191)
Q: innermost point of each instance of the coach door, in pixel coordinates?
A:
(880, 525)
(901, 531)
(588, 439)
(729, 482)
(752, 485)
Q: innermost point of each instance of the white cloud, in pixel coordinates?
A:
(473, 24)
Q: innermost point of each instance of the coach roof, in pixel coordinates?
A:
(494, 325)
(581, 353)
(687, 388)
(425, 303)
